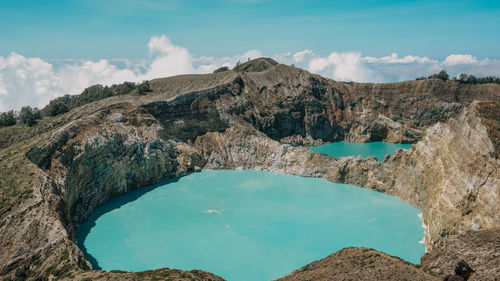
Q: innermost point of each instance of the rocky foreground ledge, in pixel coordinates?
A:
(257, 117)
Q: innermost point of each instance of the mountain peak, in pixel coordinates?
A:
(256, 65)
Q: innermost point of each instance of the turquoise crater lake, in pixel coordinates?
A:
(342, 149)
(246, 225)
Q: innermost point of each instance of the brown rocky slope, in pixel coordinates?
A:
(359, 264)
(250, 120)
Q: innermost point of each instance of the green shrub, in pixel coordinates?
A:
(471, 79)
(56, 106)
(8, 118)
(441, 75)
(221, 69)
(144, 87)
(29, 116)
(463, 78)
(93, 93)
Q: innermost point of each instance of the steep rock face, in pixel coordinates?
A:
(490, 118)
(481, 249)
(452, 174)
(287, 103)
(34, 239)
(233, 121)
(185, 117)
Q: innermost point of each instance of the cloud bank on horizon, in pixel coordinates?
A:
(34, 82)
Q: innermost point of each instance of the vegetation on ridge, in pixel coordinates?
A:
(60, 105)
(221, 69)
(93, 93)
(26, 115)
(463, 78)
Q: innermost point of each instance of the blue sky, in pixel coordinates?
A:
(121, 28)
(53, 48)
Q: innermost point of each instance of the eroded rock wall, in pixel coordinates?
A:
(289, 104)
(452, 175)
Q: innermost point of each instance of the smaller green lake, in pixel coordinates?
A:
(344, 149)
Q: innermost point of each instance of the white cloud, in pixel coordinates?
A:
(352, 66)
(33, 81)
(393, 58)
(285, 58)
(299, 56)
(348, 66)
(168, 60)
(24, 81)
(452, 60)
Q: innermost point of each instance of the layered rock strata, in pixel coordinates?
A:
(452, 175)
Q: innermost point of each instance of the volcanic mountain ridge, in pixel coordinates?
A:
(258, 116)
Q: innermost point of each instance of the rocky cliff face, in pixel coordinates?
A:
(480, 248)
(289, 104)
(452, 175)
(254, 120)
